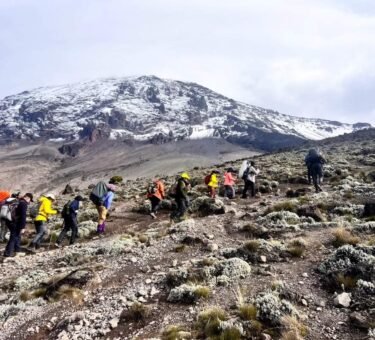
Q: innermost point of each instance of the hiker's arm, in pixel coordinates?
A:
(22, 213)
(74, 207)
(108, 200)
(48, 209)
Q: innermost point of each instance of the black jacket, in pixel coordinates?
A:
(182, 189)
(21, 214)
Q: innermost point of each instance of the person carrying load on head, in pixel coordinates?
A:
(44, 211)
(16, 223)
(102, 196)
(155, 193)
(69, 214)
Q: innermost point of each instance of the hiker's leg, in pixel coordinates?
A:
(183, 207)
(233, 192)
(102, 211)
(17, 243)
(63, 233)
(252, 188)
(3, 230)
(9, 250)
(155, 204)
(74, 229)
(245, 189)
(309, 175)
(40, 232)
(315, 181)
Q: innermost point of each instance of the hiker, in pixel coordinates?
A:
(229, 181)
(155, 193)
(314, 161)
(44, 212)
(69, 214)
(181, 197)
(4, 196)
(249, 179)
(17, 225)
(213, 183)
(102, 196)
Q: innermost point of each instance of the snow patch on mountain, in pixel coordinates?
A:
(144, 107)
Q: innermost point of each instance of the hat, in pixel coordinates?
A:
(185, 175)
(51, 196)
(29, 195)
(79, 198)
(16, 193)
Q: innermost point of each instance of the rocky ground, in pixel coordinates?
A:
(288, 264)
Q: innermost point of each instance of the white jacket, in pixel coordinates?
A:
(252, 173)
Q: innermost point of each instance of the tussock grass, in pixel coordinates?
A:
(208, 261)
(247, 312)
(294, 329)
(68, 292)
(202, 292)
(175, 332)
(283, 206)
(143, 238)
(252, 246)
(180, 248)
(256, 327)
(136, 313)
(343, 237)
(349, 282)
(209, 321)
(297, 247)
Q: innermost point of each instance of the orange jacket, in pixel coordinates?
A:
(4, 195)
(160, 193)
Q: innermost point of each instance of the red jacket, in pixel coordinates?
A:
(4, 195)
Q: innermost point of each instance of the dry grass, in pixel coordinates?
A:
(180, 248)
(297, 247)
(294, 329)
(68, 292)
(283, 206)
(248, 312)
(343, 237)
(175, 332)
(252, 246)
(256, 327)
(202, 292)
(136, 313)
(349, 282)
(208, 261)
(209, 321)
(143, 238)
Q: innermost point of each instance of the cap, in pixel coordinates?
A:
(185, 175)
(16, 193)
(51, 196)
(29, 195)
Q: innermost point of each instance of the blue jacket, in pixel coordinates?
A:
(107, 199)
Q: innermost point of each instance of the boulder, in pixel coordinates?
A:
(342, 300)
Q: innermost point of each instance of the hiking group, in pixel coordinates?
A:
(14, 206)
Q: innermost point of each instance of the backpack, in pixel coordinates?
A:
(152, 188)
(8, 209)
(207, 179)
(246, 173)
(242, 169)
(34, 210)
(65, 212)
(173, 190)
(98, 193)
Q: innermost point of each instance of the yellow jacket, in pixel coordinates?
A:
(45, 209)
(214, 183)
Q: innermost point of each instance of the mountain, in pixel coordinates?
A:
(150, 109)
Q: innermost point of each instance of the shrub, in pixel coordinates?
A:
(283, 206)
(343, 237)
(349, 282)
(116, 179)
(291, 324)
(175, 332)
(297, 247)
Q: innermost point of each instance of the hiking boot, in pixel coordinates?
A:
(153, 215)
(57, 245)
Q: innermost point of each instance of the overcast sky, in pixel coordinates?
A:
(312, 58)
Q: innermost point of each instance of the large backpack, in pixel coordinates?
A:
(242, 169)
(172, 192)
(34, 210)
(98, 193)
(152, 188)
(246, 173)
(65, 212)
(8, 209)
(207, 179)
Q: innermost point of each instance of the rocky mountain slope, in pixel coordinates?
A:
(288, 264)
(155, 110)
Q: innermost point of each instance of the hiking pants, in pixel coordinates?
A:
(70, 223)
(3, 230)
(41, 231)
(212, 191)
(102, 212)
(309, 174)
(229, 191)
(182, 205)
(249, 185)
(14, 243)
(317, 175)
(155, 204)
